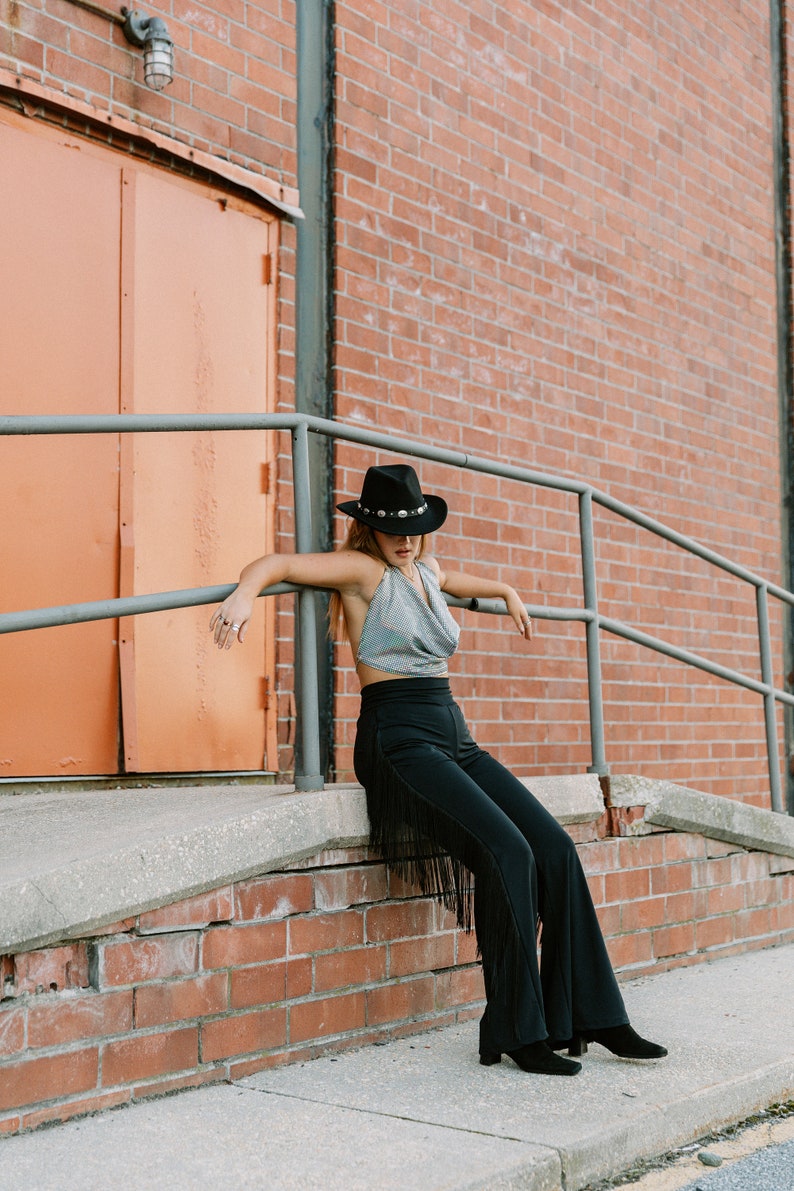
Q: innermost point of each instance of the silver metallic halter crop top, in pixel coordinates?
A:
(402, 633)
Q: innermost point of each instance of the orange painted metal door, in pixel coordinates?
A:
(126, 288)
(194, 508)
(59, 353)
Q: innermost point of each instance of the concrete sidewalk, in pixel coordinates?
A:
(421, 1113)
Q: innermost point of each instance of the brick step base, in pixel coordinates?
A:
(331, 953)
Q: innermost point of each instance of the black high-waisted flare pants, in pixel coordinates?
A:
(441, 808)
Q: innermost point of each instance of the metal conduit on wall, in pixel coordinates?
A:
(314, 323)
(782, 194)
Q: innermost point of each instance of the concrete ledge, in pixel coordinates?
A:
(71, 863)
(681, 809)
(74, 861)
(575, 798)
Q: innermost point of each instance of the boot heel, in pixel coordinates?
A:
(578, 1046)
(490, 1057)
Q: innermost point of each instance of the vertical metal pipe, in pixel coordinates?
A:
(768, 677)
(314, 297)
(308, 775)
(594, 691)
(785, 382)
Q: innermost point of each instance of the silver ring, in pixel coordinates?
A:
(235, 628)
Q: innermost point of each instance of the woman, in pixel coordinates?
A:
(441, 808)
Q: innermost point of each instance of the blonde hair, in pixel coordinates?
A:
(362, 538)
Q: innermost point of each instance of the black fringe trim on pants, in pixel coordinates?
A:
(429, 848)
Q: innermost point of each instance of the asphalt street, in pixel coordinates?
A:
(770, 1169)
(758, 1156)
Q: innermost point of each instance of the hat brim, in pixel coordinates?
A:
(433, 517)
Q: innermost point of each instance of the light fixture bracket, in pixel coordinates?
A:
(138, 28)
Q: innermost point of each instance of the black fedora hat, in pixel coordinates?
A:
(392, 501)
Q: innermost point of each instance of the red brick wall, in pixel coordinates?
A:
(555, 248)
(554, 245)
(332, 954)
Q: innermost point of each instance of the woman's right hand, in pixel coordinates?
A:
(231, 619)
(336, 569)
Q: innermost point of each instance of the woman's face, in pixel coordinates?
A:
(398, 550)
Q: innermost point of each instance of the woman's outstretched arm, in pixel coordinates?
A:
(338, 569)
(465, 586)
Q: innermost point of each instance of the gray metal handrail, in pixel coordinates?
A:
(300, 426)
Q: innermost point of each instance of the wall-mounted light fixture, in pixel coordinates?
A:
(158, 48)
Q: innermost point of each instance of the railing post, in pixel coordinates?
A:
(307, 762)
(592, 630)
(767, 677)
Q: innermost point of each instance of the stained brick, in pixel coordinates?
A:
(405, 999)
(640, 915)
(149, 1055)
(76, 1108)
(421, 955)
(355, 966)
(340, 888)
(52, 969)
(243, 1033)
(627, 885)
(163, 1087)
(674, 940)
(34, 1081)
(261, 984)
(12, 1030)
(325, 932)
(215, 906)
(754, 923)
(326, 1016)
(181, 1000)
(671, 878)
(714, 932)
(60, 1020)
(230, 946)
(136, 961)
(725, 899)
(465, 947)
(459, 986)
(400, 920)
(274, 897)
(686, 906)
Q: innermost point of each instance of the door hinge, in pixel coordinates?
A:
(266, 693)
(267, 478)
(267, 268)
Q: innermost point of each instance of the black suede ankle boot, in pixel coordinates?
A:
(626, 1043)
(622, 1041)
(537, 1058)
